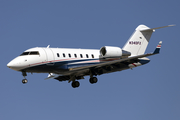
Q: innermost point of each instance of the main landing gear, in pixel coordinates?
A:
(24, 81)
(76, 84)
(93, 80)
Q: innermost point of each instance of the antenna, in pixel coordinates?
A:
(48, 46)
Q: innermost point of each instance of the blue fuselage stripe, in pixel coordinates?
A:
(61, 65)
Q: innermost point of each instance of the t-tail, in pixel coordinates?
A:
(139, 40)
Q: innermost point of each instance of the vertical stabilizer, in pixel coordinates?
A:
(139, 40)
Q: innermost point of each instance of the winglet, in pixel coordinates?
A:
(156, 51)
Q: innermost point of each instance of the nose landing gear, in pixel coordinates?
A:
(24, 81)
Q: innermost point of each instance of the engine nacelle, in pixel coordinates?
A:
(110, 51)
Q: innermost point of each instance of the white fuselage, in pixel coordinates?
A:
(57, 60)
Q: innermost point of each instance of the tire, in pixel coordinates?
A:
(75, 84)
(93, 80)
(24, 81)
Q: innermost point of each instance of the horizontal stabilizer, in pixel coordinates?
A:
(153, 29)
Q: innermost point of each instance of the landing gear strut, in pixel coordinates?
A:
(92, 79)
(24, 81)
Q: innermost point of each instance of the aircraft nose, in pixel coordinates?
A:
(17, 64)
(13, 65)
(10, 64)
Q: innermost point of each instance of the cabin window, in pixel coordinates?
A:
(81, 55)
(64, 55)
(69, 55)
(57, 54)
(75, 55)
(92, 56)
(87, 56)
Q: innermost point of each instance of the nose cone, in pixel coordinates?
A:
(15, 64)
(9, 65)
(12, 65)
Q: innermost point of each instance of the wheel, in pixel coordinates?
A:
(93, 80)
(75, 84)
(24, 81)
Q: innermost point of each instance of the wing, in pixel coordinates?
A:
(131, 58)
(102, 67)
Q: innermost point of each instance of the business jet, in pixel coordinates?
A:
(73, 64)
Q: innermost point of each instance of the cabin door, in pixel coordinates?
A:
(49, 56)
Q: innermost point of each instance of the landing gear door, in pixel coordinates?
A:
(49, 56)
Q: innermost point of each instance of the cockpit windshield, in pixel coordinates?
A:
(30, 53)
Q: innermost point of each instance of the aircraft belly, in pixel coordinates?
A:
(46, 68)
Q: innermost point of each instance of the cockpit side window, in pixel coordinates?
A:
(34, 53)
(24, 53)
(30, 53)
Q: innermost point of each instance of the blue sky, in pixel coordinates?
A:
(149, 92)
